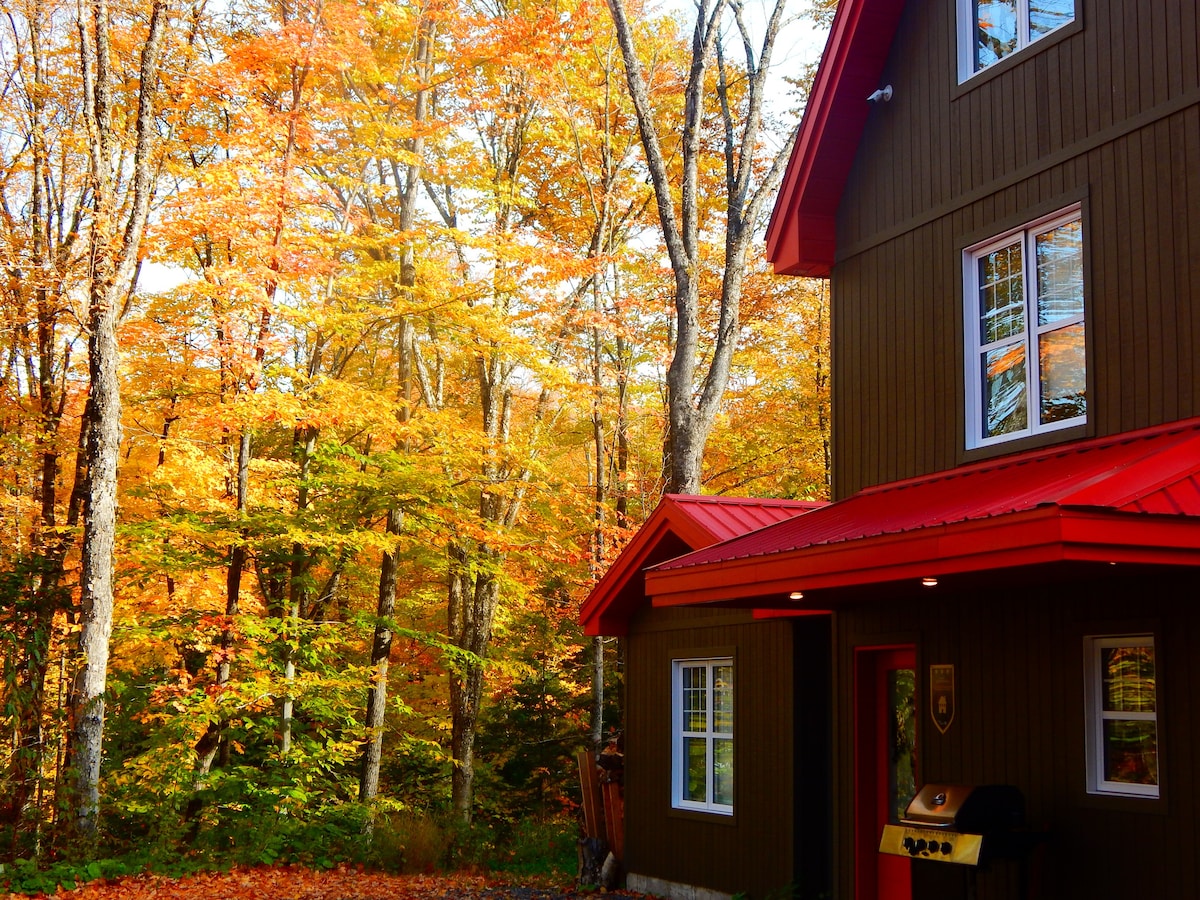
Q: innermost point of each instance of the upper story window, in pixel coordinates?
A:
(702, 735)
(1024, 316)
(991, 30)
(1122, 715)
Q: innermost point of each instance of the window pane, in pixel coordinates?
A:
(1001, 294)
(723, 699)
(695, 699)
(1131, 752)
(695, 767)
(1046, 15)
(1060, 273)
(1129, 679)
(1063, 374)
(1004, 390)
(995, 31)
(723, 772)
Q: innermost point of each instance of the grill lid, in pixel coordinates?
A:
(980, 809)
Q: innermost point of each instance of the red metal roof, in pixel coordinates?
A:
(800, 237)
(1134, 497)
(680, 523)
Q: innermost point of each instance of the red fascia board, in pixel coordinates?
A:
(1044, 535)
(801, 235)
(613, 599)
(603, 611)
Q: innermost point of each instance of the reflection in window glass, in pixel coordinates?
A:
(1064, 383)
(1001, 293)
(995, 30)
(1128, 679)
(1060, 273)
(723, 772)
(1004, 390)
(1131, 752)
(695, 755)
(695, 698)
(1046, 15)
(723, 699)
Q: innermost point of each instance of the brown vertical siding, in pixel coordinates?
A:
(1109, 114)
(754, 850)
(1018, 657)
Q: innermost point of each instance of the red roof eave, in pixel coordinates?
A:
(1043, 535)
(690, 521)
(801, 234)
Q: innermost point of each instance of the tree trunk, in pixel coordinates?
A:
(381, 646)
(599, 500)
(305, 443)
(692, 404)
(114, 253)
(381, 649)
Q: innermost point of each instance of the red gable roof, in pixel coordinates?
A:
(680, 523)
(1134, 497)
(800, 238)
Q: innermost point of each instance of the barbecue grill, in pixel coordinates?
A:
(958, 823)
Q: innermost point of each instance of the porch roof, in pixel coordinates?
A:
(680, 523)
(1130, 498)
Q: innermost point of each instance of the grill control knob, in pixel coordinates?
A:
(946, 848)
(921, 845)
(909, 844)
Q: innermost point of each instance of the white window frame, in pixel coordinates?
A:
(966, 36)
(1096, 716)
(709, 734)
(975, 347)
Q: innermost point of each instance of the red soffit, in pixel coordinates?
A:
(801, 235)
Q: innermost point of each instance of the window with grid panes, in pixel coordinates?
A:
(992, 30)
(1025, 333)
(702, 735)
(1121, 680)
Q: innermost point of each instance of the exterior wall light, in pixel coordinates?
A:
(929, 581)
(796, 595)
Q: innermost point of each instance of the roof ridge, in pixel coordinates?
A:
(719, 498)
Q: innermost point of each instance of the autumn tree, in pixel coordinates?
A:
(43, 205)
(751, 175)
(119, 210)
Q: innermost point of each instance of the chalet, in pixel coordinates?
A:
(1011, 229)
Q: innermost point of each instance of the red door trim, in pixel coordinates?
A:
(870, 768)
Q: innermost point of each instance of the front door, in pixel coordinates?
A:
(885, 765)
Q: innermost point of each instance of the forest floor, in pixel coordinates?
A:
(296, 883)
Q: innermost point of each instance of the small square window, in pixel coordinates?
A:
(1025, 336)
(992, 30)
(702, 735)
(1121, 684)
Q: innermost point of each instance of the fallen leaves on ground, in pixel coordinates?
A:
(297, 883)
